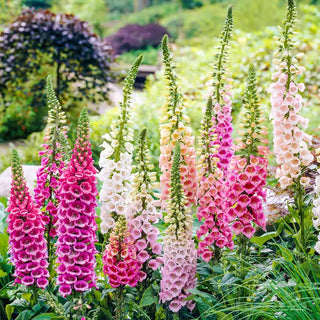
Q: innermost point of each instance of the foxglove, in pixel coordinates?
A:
(180, 256)
(76, 217)
(26, 225)
(142, 212)
(173, 128)
(248, 168)
(116, 159)
(215, 153)
(290, 141)
(53, 156)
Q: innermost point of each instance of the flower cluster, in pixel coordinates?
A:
(222, 99)
(180, 256)
(52, 165)
(211, 194)
(173, 128)
(248, 169)
(142, 212)
(215, 153)
(290, 142)
(116, 158)
(28, 249)
(120, 260)
(76, 217)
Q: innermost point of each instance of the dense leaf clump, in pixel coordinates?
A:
(39, 42)
(134, 36)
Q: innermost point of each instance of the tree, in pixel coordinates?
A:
(40, 42)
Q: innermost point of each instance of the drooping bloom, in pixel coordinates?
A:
(142, 212)
(215, 153)
(180, 256)
(173, 128)
(116, 159)
(248, 168)
(222, 99)
(120, 261)
(76, 217)
(290, 141)
(53, 155)
(26, 225)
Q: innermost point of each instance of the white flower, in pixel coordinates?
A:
(129, 147)
(107, 152)
(107, 137)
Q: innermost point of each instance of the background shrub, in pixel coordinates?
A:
(134, 36)
(41, 42)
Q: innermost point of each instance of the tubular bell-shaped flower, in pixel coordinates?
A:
(142, 213)
(290, 142)
(215, 153)
(26, 225)
(248, 168)
(116, 159)
(120, 260)
(222, 98)
(180, 256)
(76, 217)
(53, 155)
(173, 128)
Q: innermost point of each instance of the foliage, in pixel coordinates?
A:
(133, 37)
(152, 14)
(150, 55)
(68, 48)
(191, 4)
(37, 4)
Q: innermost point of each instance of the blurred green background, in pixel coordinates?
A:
(132, 27)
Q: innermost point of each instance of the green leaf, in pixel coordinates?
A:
(47, 316)
(9, 311)
(98, 295)
(4, 242)
(267, 236)
(264, 238)
(201, 294)
(149, 297)
(26, 296)
(223, 316)
(3, 217)
(285, 253)
(25, 315)
(229, 279)
(2, 273)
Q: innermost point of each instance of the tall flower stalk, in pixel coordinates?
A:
(222, 98)
(180, 256)
(116, 159)
(53, 155)
(76, 217)
(290, 141)
(215, 153)
(215, 232)
(173, 128)
(143, 213)
(26, 226)
(248, 167)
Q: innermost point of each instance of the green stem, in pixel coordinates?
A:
(220, 62)
(243, 253)
(119, 301)
(301, 213)
(35, 295)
